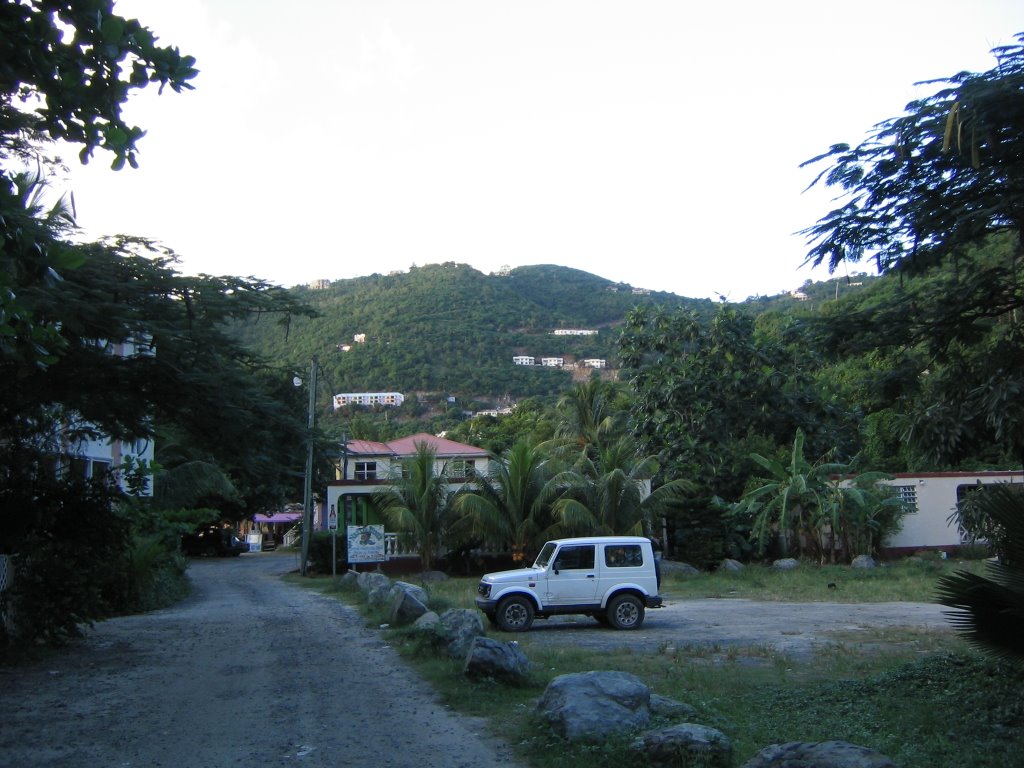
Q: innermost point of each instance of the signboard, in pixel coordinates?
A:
(365, 543)
(332, 519)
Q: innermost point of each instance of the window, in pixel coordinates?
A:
(623, 556)
(366, 470)
(908, 495)
(575, 557)
(461, 468)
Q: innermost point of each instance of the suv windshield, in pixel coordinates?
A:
(545, 555)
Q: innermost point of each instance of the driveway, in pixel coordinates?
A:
(249, 671)
(794, 629)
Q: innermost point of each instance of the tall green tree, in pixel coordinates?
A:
(608, 491)
(939, 192)
(415, 503)
(510, 507)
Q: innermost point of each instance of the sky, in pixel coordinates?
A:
(652, 142)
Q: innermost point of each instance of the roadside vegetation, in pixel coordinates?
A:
(923, 698)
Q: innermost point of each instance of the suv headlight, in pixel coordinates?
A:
(484, 590)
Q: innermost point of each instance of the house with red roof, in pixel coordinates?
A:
(366, 466)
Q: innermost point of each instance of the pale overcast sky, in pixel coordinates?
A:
(653, 142)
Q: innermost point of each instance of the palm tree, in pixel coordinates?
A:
(415, 502)
(611, 494)
(815, 502)
(990, 609)
(511, 507)
(589, 414)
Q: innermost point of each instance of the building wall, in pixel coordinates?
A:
(936, 496)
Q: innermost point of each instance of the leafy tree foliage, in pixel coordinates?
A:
(989, 610)
(806, 506)
(415, 502)
(510, 509)
(940, 191)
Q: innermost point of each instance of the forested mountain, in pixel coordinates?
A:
(449, 330)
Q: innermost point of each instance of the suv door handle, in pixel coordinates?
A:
(590, 576)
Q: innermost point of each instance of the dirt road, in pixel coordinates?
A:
(249, 671)
(254, 671)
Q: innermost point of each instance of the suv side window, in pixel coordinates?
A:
(623, 556)
(575, 557)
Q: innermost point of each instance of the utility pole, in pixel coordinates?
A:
(307, 494)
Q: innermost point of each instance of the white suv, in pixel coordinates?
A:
(612, 578)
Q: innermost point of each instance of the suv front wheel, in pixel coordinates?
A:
(514, 614)
(625, 612)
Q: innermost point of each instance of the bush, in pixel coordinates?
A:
(320, 552)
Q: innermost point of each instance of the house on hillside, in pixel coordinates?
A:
(366, 466)
(931, 498)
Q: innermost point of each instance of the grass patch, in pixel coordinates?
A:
(901, 581)
(919, 696)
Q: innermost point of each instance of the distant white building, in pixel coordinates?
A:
(573, 332)
(390, 399)
(523, 360)
(359, 338)
(552, 362)
(318, 285)
(595, 362)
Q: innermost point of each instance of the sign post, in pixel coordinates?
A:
(332, 526)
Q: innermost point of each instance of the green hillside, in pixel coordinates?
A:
(448, 330)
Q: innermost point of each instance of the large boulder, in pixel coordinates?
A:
(591, 706)
(685, 569)
(686, 744)
(371, 580)
(460, 627)
(863, 561)
(820, 754)
(786, 564)
(413, 589)
(730, 565)
(406, 607)
(489, 658)
(663, 706)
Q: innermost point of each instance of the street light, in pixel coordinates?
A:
(307, 492)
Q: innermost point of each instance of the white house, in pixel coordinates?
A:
(595, 362)
(933, 498)
(93, 457)
(553, 362)
(573, 332)
(367, 466)
(523, 360)
(390, 399)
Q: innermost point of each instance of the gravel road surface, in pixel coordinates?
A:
(249, 671)
(252, 671)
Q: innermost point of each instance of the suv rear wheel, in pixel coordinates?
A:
(625, 612)
(514, 614)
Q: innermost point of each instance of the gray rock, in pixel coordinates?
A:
(348, 580)
(428, 621)
(686, 744)
(663, 706)
(433, 576)
(460, 627)
(786, 564)
(590, 706)
(671, 566)
(415, 590)
(818, 754)
(489, 658)
(863, 561)
(406, 608)
(370, 580)
(733, 566)
(379, 594)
